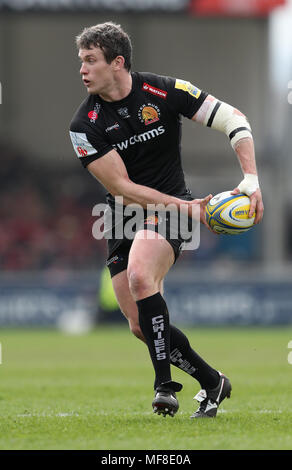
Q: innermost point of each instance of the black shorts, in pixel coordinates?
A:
(177, 231)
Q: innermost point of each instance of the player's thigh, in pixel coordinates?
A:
(150, 258)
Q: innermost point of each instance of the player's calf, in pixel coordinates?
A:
(136, 330)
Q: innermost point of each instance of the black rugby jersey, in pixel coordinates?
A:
(144, 128)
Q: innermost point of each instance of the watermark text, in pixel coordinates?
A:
(118, 221)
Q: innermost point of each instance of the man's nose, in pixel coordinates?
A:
(83, 69)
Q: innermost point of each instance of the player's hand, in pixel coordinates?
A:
(202, 202)
(256, 204)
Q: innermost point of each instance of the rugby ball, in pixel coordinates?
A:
(228, 213)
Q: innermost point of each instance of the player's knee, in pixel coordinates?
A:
(139, 283)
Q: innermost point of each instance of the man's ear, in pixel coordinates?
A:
(118, 62)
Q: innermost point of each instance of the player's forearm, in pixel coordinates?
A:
(246, 156)
(225, 118)
(133, 193)
(111, 172)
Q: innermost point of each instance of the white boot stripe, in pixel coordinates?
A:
(220, 391)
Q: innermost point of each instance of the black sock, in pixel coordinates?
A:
(154, 323)
(184, 357)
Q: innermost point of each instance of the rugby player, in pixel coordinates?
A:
(127, 133)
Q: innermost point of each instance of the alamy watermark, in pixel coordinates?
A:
(119, 221)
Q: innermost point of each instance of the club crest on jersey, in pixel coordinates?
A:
(151, 220)
(149, 113)
(93, 115)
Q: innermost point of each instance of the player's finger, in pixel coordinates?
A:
(253, 203)
(209, 228)
(235, 191)
(204, 220)
(206, 199)
(259, 212)
(201, 202)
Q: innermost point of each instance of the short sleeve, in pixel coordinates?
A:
(88, 147)
(87, 136)
(185, 97)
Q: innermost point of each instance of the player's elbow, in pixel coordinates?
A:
(239, 113)
(121, 187)
(232, 122)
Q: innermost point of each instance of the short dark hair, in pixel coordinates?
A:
(111, 39)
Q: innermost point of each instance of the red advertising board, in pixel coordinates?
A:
(234, 7)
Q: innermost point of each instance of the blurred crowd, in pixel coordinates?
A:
(45, 215)
(46, 220)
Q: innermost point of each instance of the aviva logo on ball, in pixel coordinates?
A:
(227, 213)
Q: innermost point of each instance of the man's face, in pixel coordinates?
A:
(96, 73)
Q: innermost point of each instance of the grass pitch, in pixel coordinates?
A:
(95, 392)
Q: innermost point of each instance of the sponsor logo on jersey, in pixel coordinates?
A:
(93, 115)
(139, 138)
(155, 91)
(187, 87)
(124, 113)
(115, 259)
(115, 126)
(82, 152)
(81, 144)
(149, 113)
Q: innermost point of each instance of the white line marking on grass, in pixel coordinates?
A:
(134, 413)
(263, 411)
(270, 411)
(47, 415)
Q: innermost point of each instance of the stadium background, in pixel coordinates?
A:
(240, 51)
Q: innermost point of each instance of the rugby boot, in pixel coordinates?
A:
(210, 399)
(165, 401)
